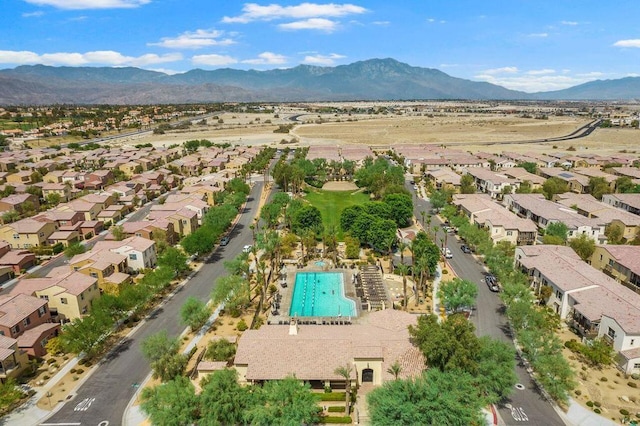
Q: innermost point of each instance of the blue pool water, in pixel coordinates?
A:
(320, 294)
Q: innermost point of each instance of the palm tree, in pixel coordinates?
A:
(345, 372)
(403, 271)
(395, 369)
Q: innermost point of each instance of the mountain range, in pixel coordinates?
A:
(374, 79)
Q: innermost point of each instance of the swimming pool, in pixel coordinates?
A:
(320, 294)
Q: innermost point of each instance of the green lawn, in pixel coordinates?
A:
(331, 204)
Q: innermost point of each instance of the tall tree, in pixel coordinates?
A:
(223, 400)
(554, 185)
(284, 402)
(435, 398)
(194, 313)
(345, 371)
(467, 184)
(583, 246)
(171, 404)
(458, 294)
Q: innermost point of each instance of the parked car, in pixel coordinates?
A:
(465, 249)
(492, 283)
(224, 241)
(447, 253)
(247, 248)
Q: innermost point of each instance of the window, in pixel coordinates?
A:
(138, 234)
(81, 296)
(26, 321)
(1, 333)
(16, 236)
(42, 310)
(632, 342)
(63, 300)
(45, 297)
(41, 234)
(93, 274)
(611, 333)
(75, 268)
(509, 233)
(15, 329)
(610, 262)
(133, 256)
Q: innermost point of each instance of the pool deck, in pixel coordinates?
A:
(287, 293)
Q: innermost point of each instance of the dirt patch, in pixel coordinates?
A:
(606, 388)
(340, 186)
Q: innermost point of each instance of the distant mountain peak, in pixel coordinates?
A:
(370, 79)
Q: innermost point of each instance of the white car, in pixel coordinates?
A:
(247, 248)
(447, 253)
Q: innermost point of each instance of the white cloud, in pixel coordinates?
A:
(326, 60)
(194, 40)
(502, 70)
(381, 23)
(256, 12)
(628, 43)
(539, 80)
(570, 23)
(267, 58)
(90, 4)
(545, 71)
(100, 57)
(35, 14)
(538, 35)
(319, 24)
(213, 60)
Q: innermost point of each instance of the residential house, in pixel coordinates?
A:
(492, 183)
(620, 262)
(27, 233)
(108, 267)
(20, 203)
(184, 221)
(443, 178)
(627, 202)
(23, 177)
(140, 252)
(90, 210)
(69, 293)
(148, 229)
(593, 303)
(501, 224)
(62, 190)
(522, 175)
(17, 260)
(27, 319)
(13, 360)
(543, 212)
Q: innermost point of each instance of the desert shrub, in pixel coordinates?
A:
(336, 409)
(242, 325)
(597, 410)
(589, 404)
(445, 272)
(597, 404)
(624, 412)
(578, 392)
(51, 361)
(603, 379)
(635, 376)
(73, 370)
(80, 371)
(632, 384)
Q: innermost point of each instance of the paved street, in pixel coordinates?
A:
(526, 405)
(103, 398)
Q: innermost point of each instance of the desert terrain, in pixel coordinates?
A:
(471, 132)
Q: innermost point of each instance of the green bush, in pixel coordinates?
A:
(578, 392)
(333, 396)
(597, 410)
(242, 326)
(597, 404)
(603, 379)
(336, 409)
(51, 361)
(635, 376)
(80, 371)
(73, 370)
(624, 412)
(632, 384)
(336, 420)
(589, 404)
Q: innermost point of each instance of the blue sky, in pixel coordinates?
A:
(528, 45)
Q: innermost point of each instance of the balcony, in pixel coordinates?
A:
(7, 367)
(587, 332)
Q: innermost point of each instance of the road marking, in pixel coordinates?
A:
(60, 424)
(519, 415)
(84, 404)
